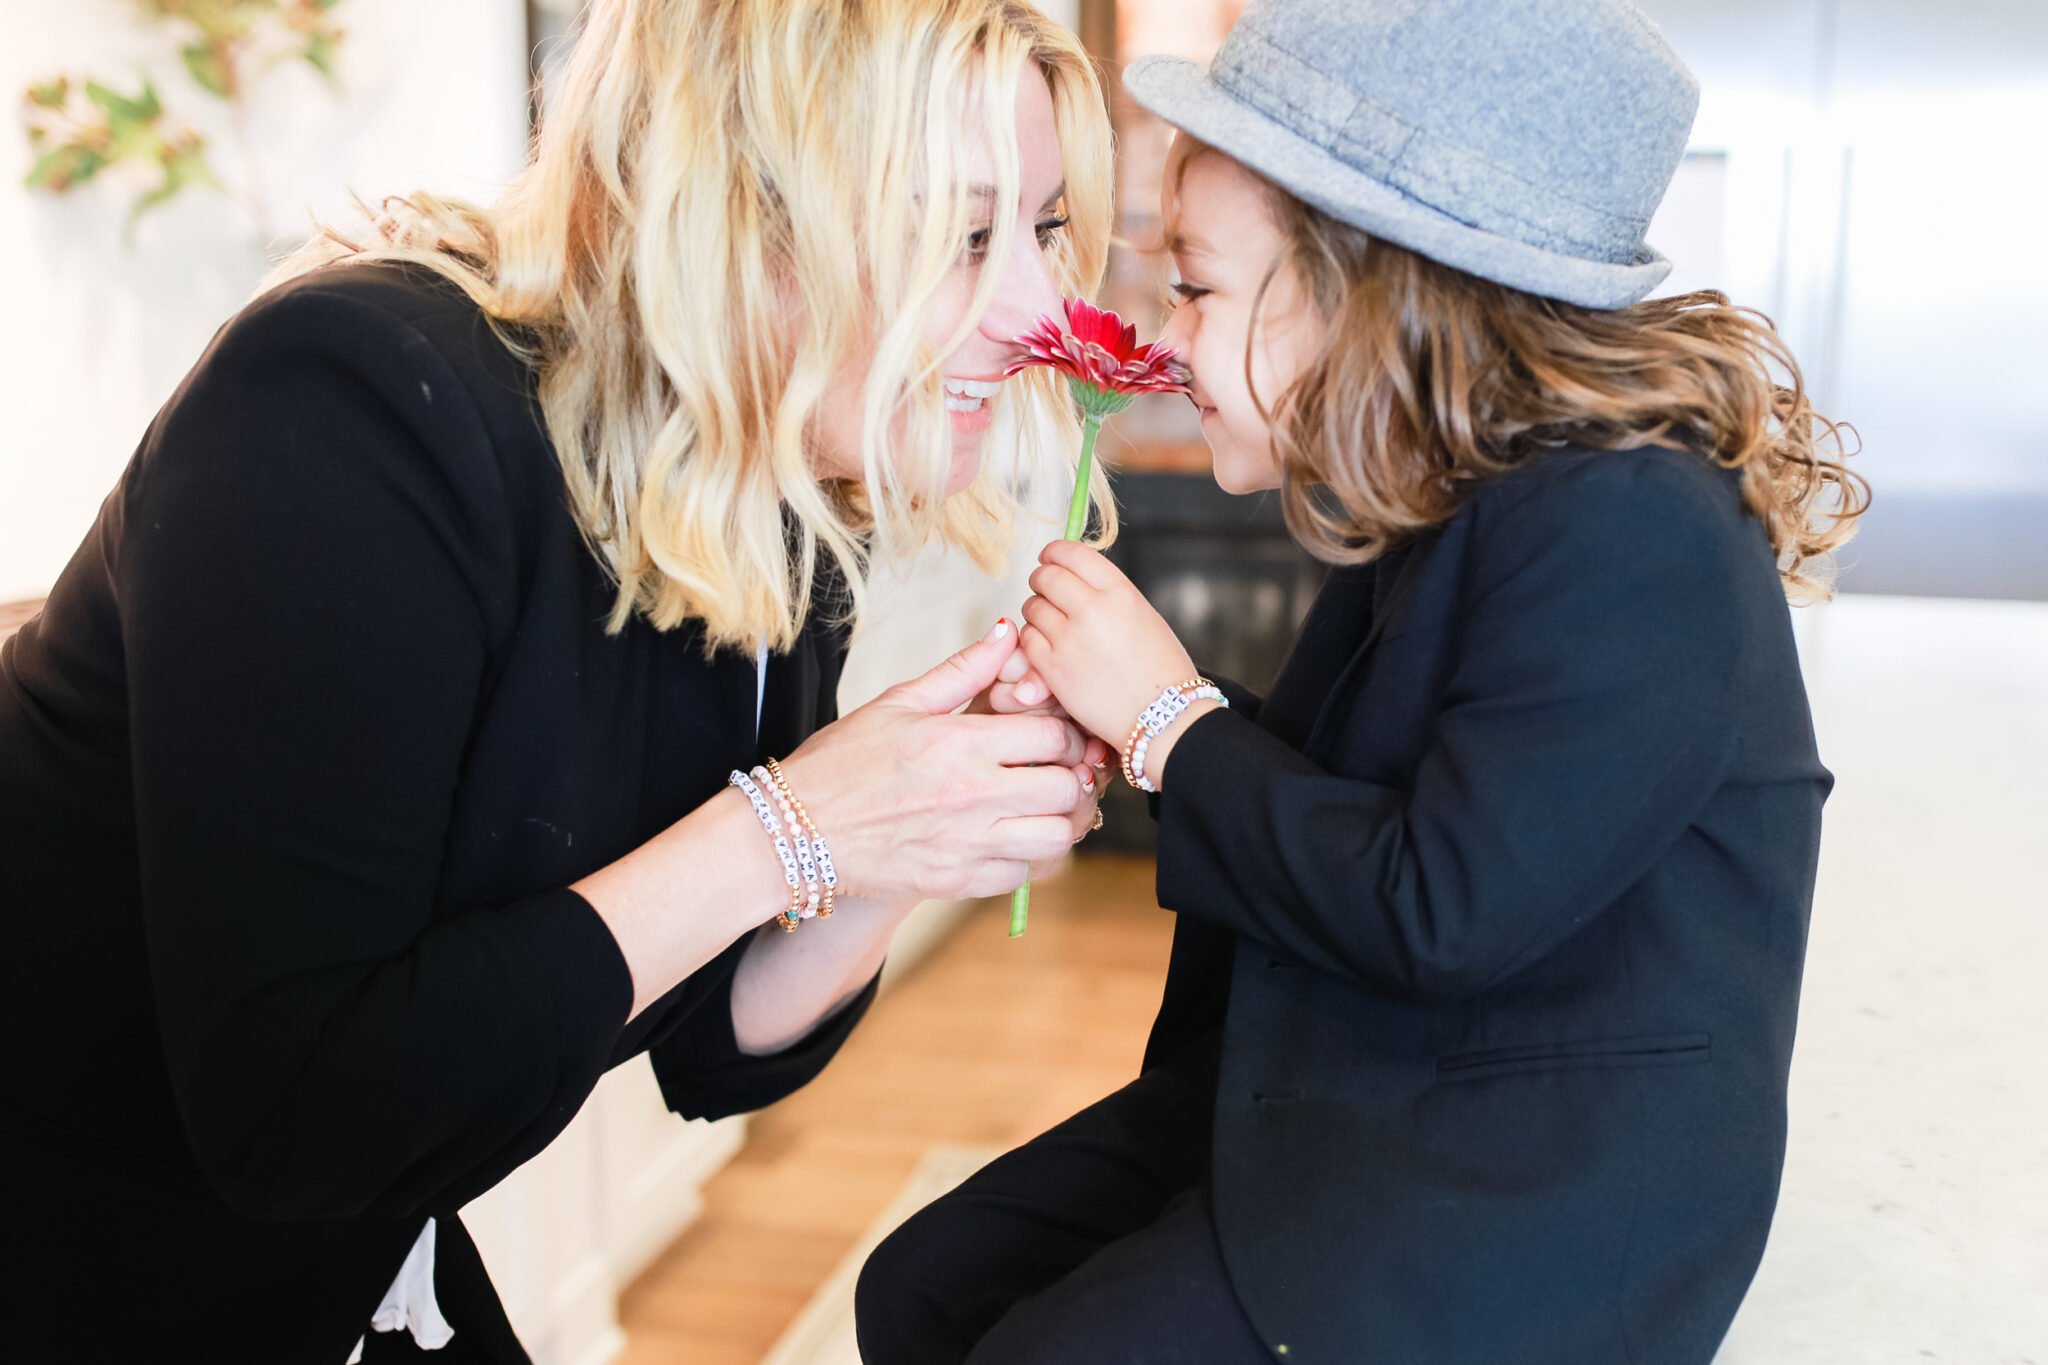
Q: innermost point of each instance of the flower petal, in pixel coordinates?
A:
(1098, 348)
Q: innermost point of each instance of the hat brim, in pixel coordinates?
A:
(1181, 92)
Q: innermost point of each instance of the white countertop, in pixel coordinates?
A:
(1913, 1224)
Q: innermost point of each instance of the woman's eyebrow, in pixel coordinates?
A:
(990, 193)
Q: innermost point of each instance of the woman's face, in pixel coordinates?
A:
(1025, 292)
(1225, 243)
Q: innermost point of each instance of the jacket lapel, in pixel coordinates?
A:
(1393, 583)
(1336, 622)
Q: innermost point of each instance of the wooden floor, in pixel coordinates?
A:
(989, 1041)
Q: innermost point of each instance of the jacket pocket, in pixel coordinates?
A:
(1658, 1049)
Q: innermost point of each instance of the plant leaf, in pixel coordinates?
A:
(320, 51)
(187, 165)
(136, 141)
(119, 109)
(208, 67)
(51, 94)
(184, 165)
(60, 168)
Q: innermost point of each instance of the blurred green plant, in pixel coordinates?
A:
(78, 127)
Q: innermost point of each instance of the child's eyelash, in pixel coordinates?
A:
(1180, 292)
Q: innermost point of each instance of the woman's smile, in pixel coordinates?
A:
(968, 402)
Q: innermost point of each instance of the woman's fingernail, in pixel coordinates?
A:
(1002, 628)
(1030, 693)
(1088, 785)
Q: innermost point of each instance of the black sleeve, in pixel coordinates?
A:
(1587, 722)
(697, 1061)
(1242, 699)
(316, 556)
(704, 1075)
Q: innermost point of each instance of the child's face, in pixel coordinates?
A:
(1225, 244)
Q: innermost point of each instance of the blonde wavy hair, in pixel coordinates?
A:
(728, 202)
(1429, 380)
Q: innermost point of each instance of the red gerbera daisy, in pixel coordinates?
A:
(1099, 353)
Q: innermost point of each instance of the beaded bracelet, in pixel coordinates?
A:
(814, 855)
(783, 851)
(1157, 719)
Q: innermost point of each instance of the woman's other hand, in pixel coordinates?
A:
(923, 801)
(1019, 691)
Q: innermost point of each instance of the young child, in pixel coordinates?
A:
(1491, 916)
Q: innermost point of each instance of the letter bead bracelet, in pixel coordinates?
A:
(805, 857)
(1157, 719)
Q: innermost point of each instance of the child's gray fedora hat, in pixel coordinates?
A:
(1522, 141)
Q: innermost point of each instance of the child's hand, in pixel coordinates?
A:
(1096, 642)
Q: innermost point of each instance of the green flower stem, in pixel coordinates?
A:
(1077, 509)
(1077, 526)
(1020, 909)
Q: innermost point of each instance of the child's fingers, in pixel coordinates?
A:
(1004, 699)
(1001, 700)
(1046, 618)
(1031, 643)
(1060, 586)
(1014, 668)
(1086, 564)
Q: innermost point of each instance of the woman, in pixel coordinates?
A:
(1475, 1037)
(376, 776)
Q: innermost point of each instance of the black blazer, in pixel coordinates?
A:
(295, 768)
(1500, 900)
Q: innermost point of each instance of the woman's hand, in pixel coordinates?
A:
(1019, 691)
(919, 802)
(1093, 639)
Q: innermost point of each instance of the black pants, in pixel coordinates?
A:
(1095, 1242)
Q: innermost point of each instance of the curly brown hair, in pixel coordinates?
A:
(1429, 380)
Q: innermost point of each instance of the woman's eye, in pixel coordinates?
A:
(977, 241)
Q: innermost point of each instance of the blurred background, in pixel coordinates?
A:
(1869, 173)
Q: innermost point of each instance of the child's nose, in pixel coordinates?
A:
(1175, 333)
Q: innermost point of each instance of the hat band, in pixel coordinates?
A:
(1433, 170)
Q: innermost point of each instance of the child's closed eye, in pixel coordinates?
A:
(1180, 292)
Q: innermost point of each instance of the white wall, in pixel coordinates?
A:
(1884, 201)
(1067, 12)
(95, 336)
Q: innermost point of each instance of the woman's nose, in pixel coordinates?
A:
(1026, 294)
